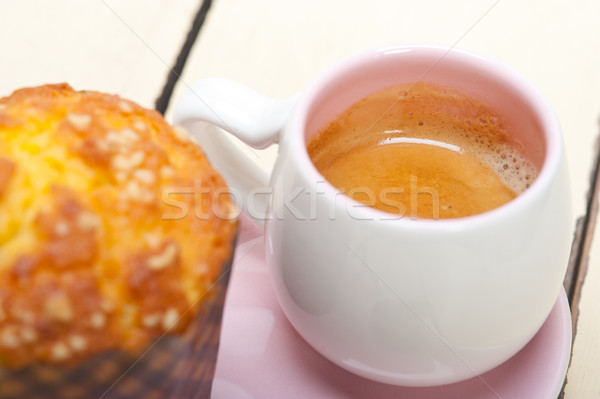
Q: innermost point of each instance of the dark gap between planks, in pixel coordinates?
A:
(162, 102)
(582, 240)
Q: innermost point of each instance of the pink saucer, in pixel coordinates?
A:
(261, 356)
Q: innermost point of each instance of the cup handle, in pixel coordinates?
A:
(250, 116)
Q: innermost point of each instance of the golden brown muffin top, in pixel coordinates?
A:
(113, 225)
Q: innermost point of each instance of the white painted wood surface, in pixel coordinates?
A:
(277, 47)
(124, 47)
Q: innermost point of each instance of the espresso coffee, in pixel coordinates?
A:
(422, 150)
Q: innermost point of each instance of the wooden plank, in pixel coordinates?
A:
(107, 45)
(278, 47)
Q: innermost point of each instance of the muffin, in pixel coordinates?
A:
(113, 227)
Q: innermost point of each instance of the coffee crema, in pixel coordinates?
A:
(422, 150)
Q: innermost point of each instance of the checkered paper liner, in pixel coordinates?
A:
(172, 367)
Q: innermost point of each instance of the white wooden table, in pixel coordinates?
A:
(134, 48)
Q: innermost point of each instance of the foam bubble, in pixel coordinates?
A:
(514, 169)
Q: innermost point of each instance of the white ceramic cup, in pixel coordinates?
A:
(398, 300)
